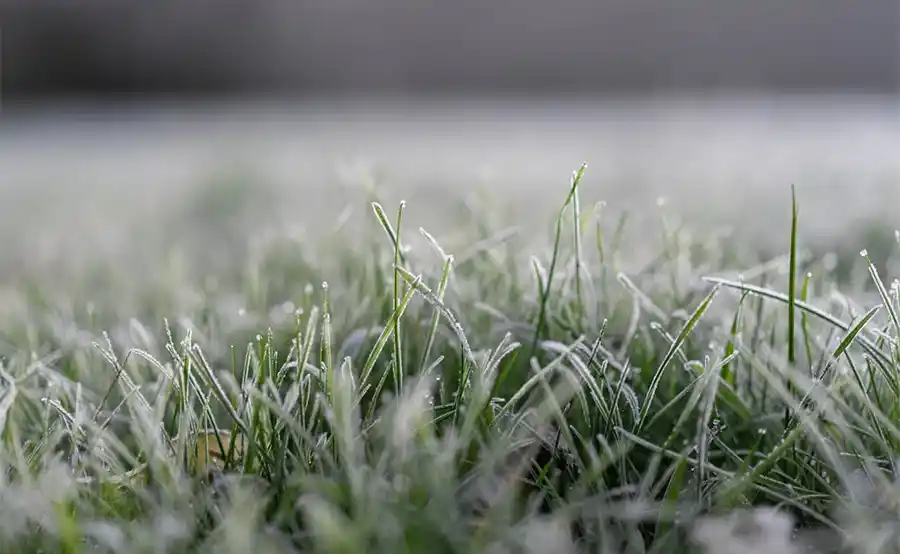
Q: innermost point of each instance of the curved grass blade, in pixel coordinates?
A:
(679, 340)
(768, 293)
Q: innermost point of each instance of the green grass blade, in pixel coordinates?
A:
(679, 340)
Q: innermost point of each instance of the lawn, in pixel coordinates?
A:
(588, 385)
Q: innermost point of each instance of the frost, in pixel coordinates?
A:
(746, 532)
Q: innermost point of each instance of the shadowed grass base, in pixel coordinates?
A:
(620, 390)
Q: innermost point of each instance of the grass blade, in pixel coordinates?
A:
(679, 340)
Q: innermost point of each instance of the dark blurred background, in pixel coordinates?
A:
(108, 47)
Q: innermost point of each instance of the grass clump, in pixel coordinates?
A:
(385, 395)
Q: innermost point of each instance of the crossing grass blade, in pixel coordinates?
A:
(679, 340)
(869, 346)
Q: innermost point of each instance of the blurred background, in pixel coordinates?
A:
(109, 48)
(114, 107)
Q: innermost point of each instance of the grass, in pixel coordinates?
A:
(405, 393)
